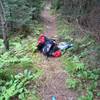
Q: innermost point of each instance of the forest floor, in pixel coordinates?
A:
(53, 82)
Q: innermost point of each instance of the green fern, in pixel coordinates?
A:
(17, 84)
(72, 83)
(7, 59)
(73, 64)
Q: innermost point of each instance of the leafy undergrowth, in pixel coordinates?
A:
(81, 62)
(18, 69)
(16, 86)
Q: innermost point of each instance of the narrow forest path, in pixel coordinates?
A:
(52, 83)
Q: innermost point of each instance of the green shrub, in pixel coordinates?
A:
(73, 64)
(89, 96)
(7, 59)
(72, 83)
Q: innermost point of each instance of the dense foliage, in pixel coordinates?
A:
(18, 69)
(21, 13)
(16, 86)
(75, 8)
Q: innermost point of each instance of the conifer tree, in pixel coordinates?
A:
(19, 12)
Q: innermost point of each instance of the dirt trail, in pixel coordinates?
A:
(52, 83)
(49, 21)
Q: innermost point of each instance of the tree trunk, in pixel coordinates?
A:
(4, 28)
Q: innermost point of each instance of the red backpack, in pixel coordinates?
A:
(48, 47)
(57, 53)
